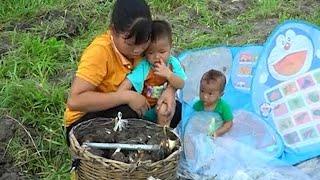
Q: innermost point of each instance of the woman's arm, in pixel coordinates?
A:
(84, 97)
(125, 85)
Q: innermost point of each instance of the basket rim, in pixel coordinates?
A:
(77, 150)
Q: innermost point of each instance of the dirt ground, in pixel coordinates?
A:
(56, 23)
(59, 24)
(7, 168)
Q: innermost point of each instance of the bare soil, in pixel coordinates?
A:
(5, 45)
(228, 10)
(7, 167)
(62, 24)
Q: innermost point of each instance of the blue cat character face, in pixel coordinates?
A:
(291, 56)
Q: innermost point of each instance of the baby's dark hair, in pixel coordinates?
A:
(161, 29)
(132, 17)
(216, 76)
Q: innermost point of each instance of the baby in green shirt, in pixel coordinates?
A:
(211, 89)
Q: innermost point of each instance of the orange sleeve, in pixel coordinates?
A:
(93, 64)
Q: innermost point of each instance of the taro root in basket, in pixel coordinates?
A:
(100, 163)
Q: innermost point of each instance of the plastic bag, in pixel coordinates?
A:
(226, 157)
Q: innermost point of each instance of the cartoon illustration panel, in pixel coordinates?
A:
(197, 62)
(286, 85)
(244, 64)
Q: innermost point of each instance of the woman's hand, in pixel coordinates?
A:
(168, 97)
(137, 102)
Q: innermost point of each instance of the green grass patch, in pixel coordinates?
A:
(39, 107)
(34, 58)
(17, 9)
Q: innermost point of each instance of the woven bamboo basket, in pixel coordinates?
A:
(94, 167)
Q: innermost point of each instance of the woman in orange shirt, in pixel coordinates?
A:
(105, 64)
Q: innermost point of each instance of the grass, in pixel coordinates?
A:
(36, 72)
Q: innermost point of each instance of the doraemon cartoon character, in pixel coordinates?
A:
(291, 56)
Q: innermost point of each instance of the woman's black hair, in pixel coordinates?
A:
(133, 18)
(161, 29)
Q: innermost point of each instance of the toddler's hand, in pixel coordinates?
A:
(214, 135)
(162, 70)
